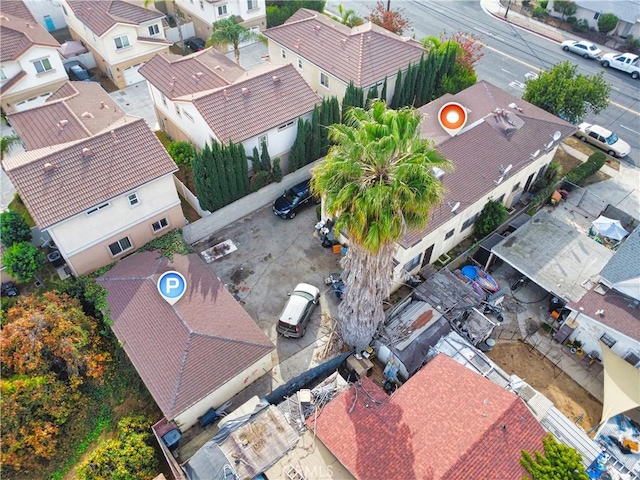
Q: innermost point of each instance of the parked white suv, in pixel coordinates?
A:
(295, 315)
(604, 139)
(627, 62)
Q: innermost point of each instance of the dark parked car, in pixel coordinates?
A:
(9, 289)
(195, 44)
(292, 200)
(78, 72)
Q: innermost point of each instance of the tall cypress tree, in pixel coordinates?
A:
(265, 158)
(230, 174)
(243, 161)
(221, 174)
(324, 124)
(316, 140)
(372, 94)
(295, 155)
(383, 94)
(335, 111)
(255, 161)
(431, 70)
(397, 93)
(420, 82)
(236, 163)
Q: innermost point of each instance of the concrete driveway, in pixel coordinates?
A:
(136, 100)
(273, 256)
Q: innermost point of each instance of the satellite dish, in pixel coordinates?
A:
(556, 135)
(506, 170)
(455, 207)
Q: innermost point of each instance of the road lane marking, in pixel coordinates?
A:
(627, 128)
(507, 71)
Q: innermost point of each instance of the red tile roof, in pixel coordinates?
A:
(479, 152)
(101, 15)
(176, 76)
(363, 54)
(64, 180)
(79, 110)
(17, 35)
(263, 101)
(445, 423)
(17, 8)
(186, 351)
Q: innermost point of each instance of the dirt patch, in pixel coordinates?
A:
(567, 162)
(579, 145)
(569, 397)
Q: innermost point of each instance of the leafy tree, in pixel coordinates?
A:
(276, 170)
(348, 17)
(558, 461)
(540, 12)
(229, 31)
(566, 7)
(13, 228)
(607, 22)
(6, 143)
(278, 11)
(563, 92)
(22, 260)
(392, 20)
(460, 79)
(491, 216)
(181, 152)
(377, 181)
(470, 51)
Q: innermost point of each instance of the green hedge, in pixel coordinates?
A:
(588, 168)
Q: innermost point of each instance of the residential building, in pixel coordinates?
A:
(329, 55)
(204, 13)
(205, 97)
(30, 65)
(446, 422)
(48, 14)
(627, 11)
(505, 146)
(75, 111)
(192, 355)
(121, 35)
(99, 198)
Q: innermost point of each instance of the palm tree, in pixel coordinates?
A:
(349, 17)
(378, 180)
(6, 143)
(229, 31)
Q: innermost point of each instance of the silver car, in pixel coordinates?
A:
(295, 315)
(582, 47)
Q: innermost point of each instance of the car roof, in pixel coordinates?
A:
(299, 188)
(600, 130)
(305, 287)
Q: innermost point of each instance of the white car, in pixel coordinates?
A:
(584, 48)
(604, 139)
(295, 315)
(627, 62)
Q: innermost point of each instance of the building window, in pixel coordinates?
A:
(122, 42)
(286, 125)
(99, 207)
(133, 199)
(120, 246)
(501, 199)
(42, 65)
(252, 4)
(469, 221)
(178, 111)
(283, 53)
(450, 234)
(596, 16)
(262, 141)
(300, 64)
(324, 80)
(222, 10)
(160, 225)
(154, 30)
(201, 4)
(164, 100)
(188, 115)
(607, 340)
(64, 10)
(413, 263)
(515, 187)
(2, 74)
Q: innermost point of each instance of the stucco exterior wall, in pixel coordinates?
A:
(41, 8)
(215, 399)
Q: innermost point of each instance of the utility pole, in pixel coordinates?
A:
(388, 5)
(507, 11)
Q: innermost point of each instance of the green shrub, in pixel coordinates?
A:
(276, 170)
(588, 168)
(581, 26)
(490, 218)
(22, 260)
(543, 3)
(607, 22)
(259, 180)
(633, 44)
(540, 12)
(13, 228)
(573, 21)
(181, 152)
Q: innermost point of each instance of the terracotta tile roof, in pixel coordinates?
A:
(17, 8)
(13, 82)
(364, 54)
(444, 423)
(480, 150)
(176, 76)
(619, 312)
(120, 159)
(17, 35)
(263, 101)
(154, 40)
(83, 109)
(185, 351)
(102, 15)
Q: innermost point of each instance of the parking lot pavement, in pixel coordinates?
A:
(273, 256)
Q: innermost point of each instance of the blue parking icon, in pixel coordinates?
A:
(172, 286)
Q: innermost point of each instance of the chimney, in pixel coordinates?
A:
(87, 115)
(114, 136)
(226, 95)
(275, 78)
(245, 91)
(48, 167)
(102, 105)
(62, 124)
(86, 152)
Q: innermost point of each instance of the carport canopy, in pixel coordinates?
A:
(555, 255)
(621, 385)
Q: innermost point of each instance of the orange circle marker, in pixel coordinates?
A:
(452, 117)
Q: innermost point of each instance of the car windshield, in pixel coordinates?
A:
(304, 295)
(611, 139)
(290, 196)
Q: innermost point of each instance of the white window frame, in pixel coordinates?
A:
(188, 115)
(201, 4)
(299, 64)
(413, 263)
(326, 78)
(119, 244)
(223, 10)
(40, 62)
(160, 225)
(133, 199)
(123, 39)
(178, 112)
(164, 99)
(154, 29)
(283, 53)
(284, 126)
(252, 5)
(93, 210)
(449, 234)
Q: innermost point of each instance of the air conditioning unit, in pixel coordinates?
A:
(514, 198)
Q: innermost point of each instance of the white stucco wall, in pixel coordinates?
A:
(206, 14)
(33, 79)
(83, 231)
(215, 399)
(41, 8)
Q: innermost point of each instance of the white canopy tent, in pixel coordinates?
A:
(608, 227)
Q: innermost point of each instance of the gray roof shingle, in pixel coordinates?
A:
(186, 351)
(101, 15)
(625, 263)
(58, 182)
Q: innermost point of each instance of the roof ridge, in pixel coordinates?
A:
(185, 354)
(227, 339)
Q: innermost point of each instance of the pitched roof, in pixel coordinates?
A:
(17, 35)
(58, 182)
(17, 8)
(101, 16)
(185, 351)
(624, 264)
(363, 54)
(176, 76)
(78, 110)
(445, 422)
(262, 101)
(482, 148)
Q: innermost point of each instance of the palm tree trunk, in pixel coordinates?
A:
(368, 279)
